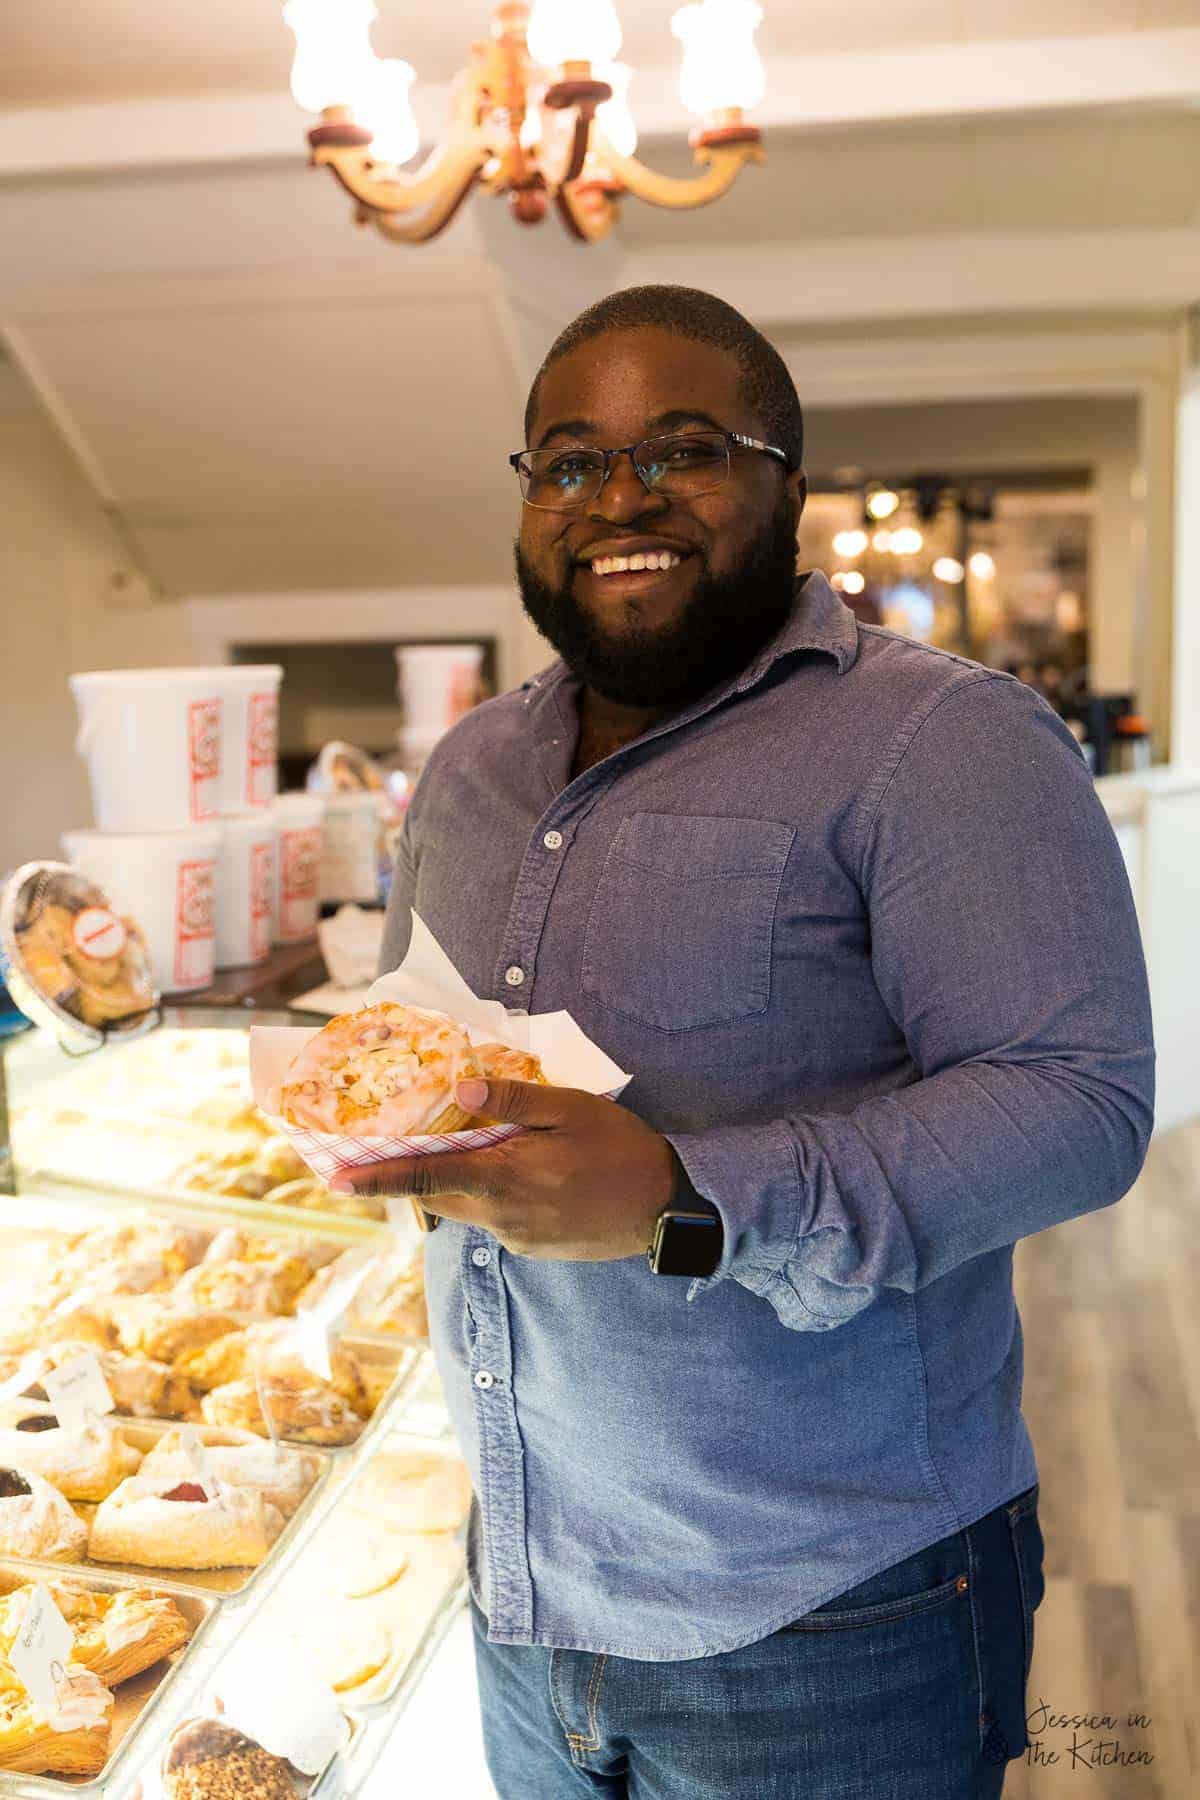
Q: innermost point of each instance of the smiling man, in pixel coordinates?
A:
(735, 1362)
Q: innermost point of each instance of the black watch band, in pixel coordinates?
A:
(688, 1235)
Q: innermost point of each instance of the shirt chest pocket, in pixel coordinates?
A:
(680, 927)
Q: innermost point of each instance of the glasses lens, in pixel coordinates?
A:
(570, 476)
(686, 463)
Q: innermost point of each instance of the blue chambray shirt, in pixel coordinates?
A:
(858, 923)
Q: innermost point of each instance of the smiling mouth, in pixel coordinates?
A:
(642, 571)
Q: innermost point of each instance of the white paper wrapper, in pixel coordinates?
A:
(428, 978)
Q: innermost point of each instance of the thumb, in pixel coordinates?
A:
(515, 1102)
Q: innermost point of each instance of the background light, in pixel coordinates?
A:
(384, 107)
(982, 565)
(333, 51)
(721, 66)
(882, 541)
(562, 31)
(948, 568)
(850, 543)
(882, 503)
(853, 581)
(613, 116)
(906, 542)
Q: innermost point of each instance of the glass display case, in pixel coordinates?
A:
(264, 1351)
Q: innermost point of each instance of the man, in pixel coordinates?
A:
(850, 910)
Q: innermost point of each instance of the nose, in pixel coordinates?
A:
(625, 496)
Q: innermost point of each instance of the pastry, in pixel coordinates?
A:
(352, 1657)
(36, 1521)
(261, 1288)
(141, 1388)
(417, 1489)
(154, 1325)
(208, 1760)
(312, 1194)
(502, 1063)
(78, 1741)
(380, 1072)
(276, 1159)
(389, 1300)
(162, 1523)
(84, 1464)
(140, 1243)
(301, 1407)
(76, 952)
(272, 1348)
(117, 1635)
(239, 1459)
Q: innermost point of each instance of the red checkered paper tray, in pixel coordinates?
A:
(428, 978)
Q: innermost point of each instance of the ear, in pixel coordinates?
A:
(797, 482)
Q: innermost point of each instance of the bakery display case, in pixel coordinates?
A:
(223, 1448)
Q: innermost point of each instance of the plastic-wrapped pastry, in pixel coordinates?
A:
(78, 1741)
(141, 1388)
(261, 1288)
(84, 1464)
(36, 1521)
(116, 1635)
(389, 1300)
(273, 1347)
(161, 1523)
(301, 1407)
(140, 1242)
(231, 1244)
(154, 1325)
(240, 1459)
(208, 1760)
(381, 1072)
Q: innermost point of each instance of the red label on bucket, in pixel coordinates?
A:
(194, 915)
(262, 737)
(262, 879)
(204, 753)
(299, 855)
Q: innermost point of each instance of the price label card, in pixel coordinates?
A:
(41, 1651)
(194, 1449)
(78, 1392)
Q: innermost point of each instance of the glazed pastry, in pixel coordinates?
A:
(116, 1635)
(162, 1523)
(141, 1388)
(414, 1490)
(302, 1407)
(154, 1325)
(207, 1760)
(274, 1348)
(380, 1072)
(240, 1459)
(78, 1741)
(36, 1521)
(262, 1288)
(85, 1464)
(502, 1063)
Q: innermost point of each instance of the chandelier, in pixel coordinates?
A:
(540, 114)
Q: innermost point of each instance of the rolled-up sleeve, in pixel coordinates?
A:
(1005, 945)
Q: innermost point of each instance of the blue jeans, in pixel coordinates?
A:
(910, 1686)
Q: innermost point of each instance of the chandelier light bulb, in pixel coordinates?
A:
(721, 66)
(949, 569)
(332, 50)
(982, 565)
(882, 503)
(613, 116)
(383, 105)
(563, 31)
(853, 581)
(850, 543)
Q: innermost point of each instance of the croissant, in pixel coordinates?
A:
(76, 1744)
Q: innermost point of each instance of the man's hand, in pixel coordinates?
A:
(583, 1182)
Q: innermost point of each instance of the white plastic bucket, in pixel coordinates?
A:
(245, 889)
(151, 739)
(436, 685)
(297, 866)
(166, 880)
(350, 847)
(249, 736)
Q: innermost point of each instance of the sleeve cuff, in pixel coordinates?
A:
(752, 1176)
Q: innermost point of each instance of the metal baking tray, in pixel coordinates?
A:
(139, 1702)
(231, 1586)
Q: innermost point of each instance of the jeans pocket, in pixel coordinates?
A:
(929, 1578)
(1028, 1547)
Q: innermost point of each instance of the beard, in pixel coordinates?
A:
(725, 623)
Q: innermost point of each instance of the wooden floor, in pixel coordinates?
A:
(1110, 1309)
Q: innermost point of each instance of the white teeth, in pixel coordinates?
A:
(621, 565)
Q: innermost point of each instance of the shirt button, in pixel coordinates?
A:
(553, 840)
(514, 976)
(481, 1258)
(485, 1379)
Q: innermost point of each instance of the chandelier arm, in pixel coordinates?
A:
(418, 230)
(725, 163)
(453, 164)
(588, 213)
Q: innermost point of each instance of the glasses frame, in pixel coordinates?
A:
(631, 450)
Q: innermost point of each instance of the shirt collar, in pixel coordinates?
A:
(818, 621)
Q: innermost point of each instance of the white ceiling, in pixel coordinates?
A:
(62, 50)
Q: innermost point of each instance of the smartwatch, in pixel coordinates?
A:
(688, 1234)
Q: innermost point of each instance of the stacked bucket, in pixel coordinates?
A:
(190, 836)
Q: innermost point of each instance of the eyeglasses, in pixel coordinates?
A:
(681, 464)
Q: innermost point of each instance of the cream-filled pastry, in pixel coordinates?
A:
(161, 1523)
(155, 1325)
(84, 1463)
(239, 1459)
(36, 1520)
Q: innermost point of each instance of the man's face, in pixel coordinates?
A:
(657, 637)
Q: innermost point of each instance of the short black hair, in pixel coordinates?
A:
(766, 385)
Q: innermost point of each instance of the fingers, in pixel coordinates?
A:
(426, 1178)
(516, 1102)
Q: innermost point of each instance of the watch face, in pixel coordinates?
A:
(687, 1244)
